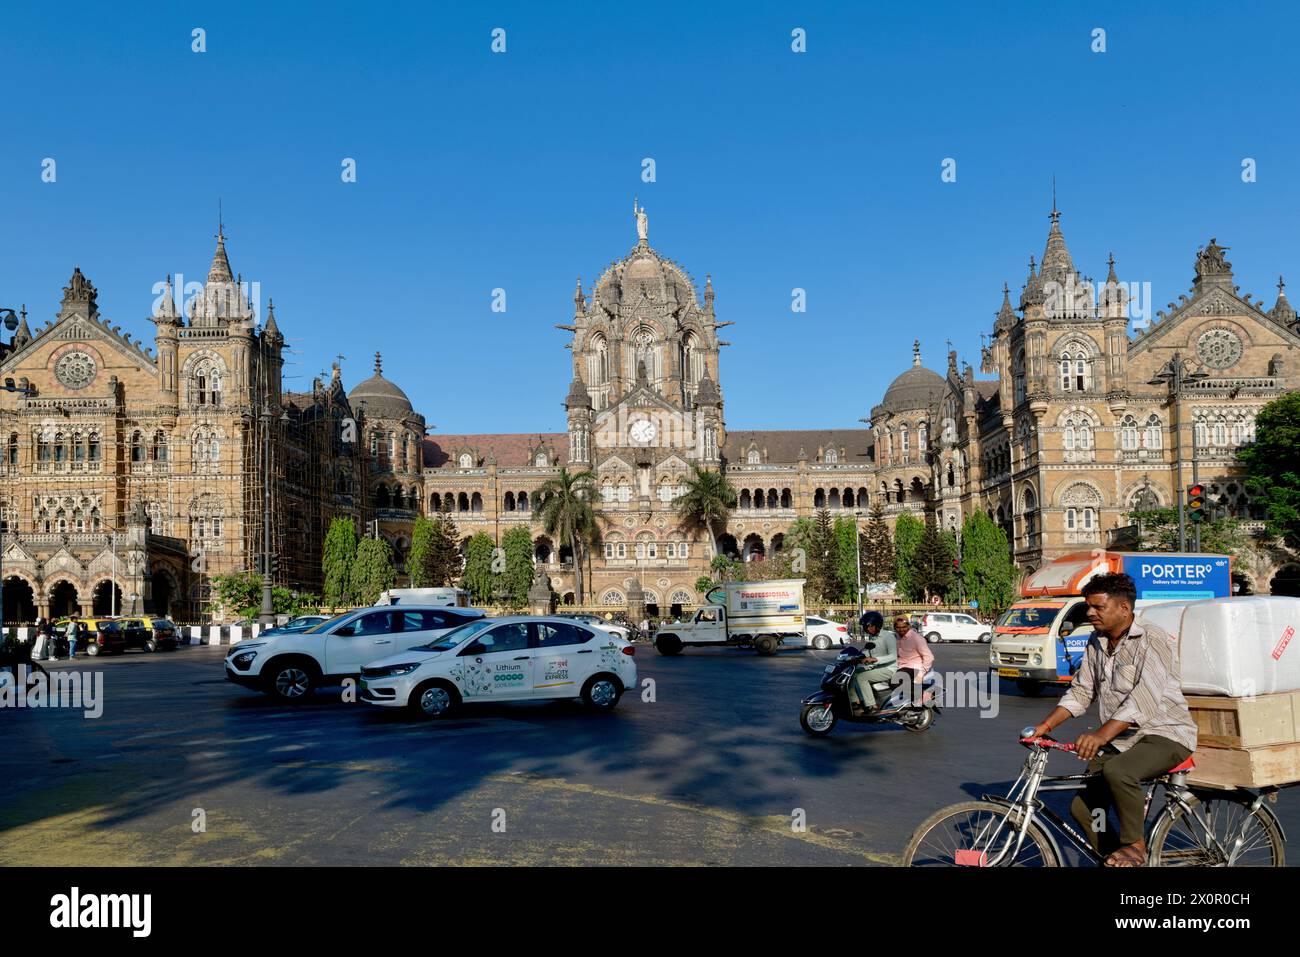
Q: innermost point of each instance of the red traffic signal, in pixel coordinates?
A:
(1196, 503)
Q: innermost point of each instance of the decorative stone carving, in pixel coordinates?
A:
(76, 370)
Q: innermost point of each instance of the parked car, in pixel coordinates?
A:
(612, 627)
(104, 635)
(945, 626)
(519, 658)
(136, 633)
(289, 666)
(823, 633)
(150, 634)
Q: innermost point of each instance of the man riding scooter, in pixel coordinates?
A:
(881, 664)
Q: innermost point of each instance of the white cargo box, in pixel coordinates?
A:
(1238, 647)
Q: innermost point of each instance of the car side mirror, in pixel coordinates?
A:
(347, 631)
(1067, 629)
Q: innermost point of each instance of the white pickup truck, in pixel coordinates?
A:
(758, 615)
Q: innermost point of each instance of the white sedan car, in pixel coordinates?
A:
(954, 627)
(824, 634)
(519, 658)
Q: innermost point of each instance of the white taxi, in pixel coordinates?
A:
(517, 658)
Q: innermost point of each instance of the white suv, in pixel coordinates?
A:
(946, 626)
(519, 658)
(289, 665)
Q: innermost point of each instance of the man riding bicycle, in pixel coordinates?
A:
(1131, 668)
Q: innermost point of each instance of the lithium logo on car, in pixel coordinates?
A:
(1283, 642)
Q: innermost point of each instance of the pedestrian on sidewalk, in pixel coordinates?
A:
(74, 632)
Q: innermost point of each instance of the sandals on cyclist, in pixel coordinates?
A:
(1130, 855)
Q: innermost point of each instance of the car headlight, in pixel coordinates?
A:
(392, 671)
(993, 657)
(1038, 659)
(243, 659)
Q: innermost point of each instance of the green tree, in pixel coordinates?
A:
(337, 558)
(823, 559)
(1273, 466)
(372, 572)
(444, 548)
(877, 548)
(513, 582)
(478, 568)
(932, 564)
(798, 542)
(989, 574)
(567, 514)
(704, 583)
(846, 559)
(239, 595)
(706, 504)
(908, 532)
(1222, 536)
(420, 560)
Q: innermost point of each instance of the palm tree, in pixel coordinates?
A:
(566, 513)
(707, 503)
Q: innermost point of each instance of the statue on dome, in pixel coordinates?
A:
(642, 221)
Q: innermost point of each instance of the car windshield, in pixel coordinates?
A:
(454, 637)
(324, 625)
(1032, 617)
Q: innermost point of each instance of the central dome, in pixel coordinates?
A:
(917, 388)
(379, 397)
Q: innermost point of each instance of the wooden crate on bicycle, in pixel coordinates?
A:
(1259, 722)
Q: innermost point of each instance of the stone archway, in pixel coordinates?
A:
(1286, 581)
(106, 598)
(64, 600)
(19, 600)
(165, 591)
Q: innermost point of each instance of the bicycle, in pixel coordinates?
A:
(1197, 827)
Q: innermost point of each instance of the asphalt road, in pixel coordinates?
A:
(712, 771)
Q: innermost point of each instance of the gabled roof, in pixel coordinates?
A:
(783, 445)
(510, 450)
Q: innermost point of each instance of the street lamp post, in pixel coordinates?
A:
(857, 548)
(1176, 374)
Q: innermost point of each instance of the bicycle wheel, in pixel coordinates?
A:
(975, 827)
(1244, 838)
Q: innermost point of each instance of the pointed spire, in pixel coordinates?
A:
(578, 299)
(271, 330)
(1282, 310)
(166, 311)
(1007, 314)
(1114, 297)
(23, 335)
(1057, 264)
(220, 269)
(916, 353)
(379, 365)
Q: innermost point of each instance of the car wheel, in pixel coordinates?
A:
(668, 645)
(290, 682)
(92, 649)
(433, 699)
(986, 637)
(766, 645)
(151, 645)
(821, 642)
(602, 692)
(934, 638)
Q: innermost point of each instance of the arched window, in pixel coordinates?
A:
(752, 458)
(11, 449)
(465, 461)
(904, 442)
(922, 437)
(832, 456)
(93, 447)
(541, 461)
(1154, 434)
(1200, 433)
(1128, 433)
(137, 447)
(1220, 431)
(1076, 371)
(1018, 376)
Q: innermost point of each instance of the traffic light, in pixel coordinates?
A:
(275, 564)
(1196, 503)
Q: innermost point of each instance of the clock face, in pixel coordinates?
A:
(1219, 348)
(643, 431)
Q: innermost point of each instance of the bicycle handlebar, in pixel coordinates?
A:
(1043, 741)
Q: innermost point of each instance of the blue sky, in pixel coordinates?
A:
(775, 170)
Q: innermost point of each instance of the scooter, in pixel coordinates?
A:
(823, 710)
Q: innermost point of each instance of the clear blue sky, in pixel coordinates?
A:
(774, 171)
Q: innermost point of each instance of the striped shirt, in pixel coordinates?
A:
(1140, 683)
